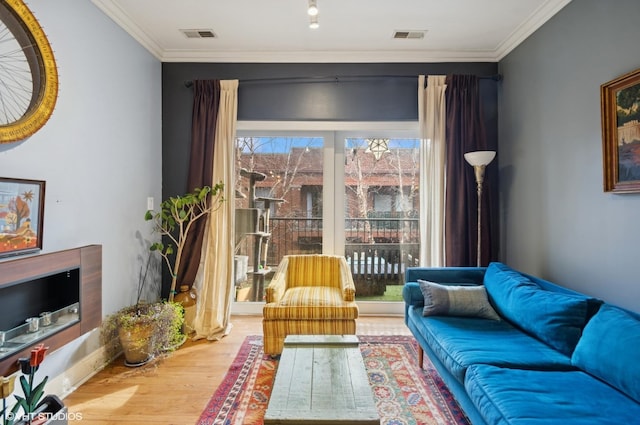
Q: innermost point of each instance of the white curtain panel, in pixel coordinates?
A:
(432, 118)
(215, 276)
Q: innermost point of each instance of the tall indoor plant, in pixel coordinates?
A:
(174, 220)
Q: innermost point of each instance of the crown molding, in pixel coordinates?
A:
(541, 15)
(328, 56)
(538, 18)
(123, 20)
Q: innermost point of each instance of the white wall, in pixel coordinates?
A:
(556, 220)
(100, 152)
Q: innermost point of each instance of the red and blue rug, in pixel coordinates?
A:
(404, 394)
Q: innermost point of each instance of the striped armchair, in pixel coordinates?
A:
(309, 295)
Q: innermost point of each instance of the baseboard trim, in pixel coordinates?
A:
(79, 373)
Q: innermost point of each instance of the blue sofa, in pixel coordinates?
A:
(517, 349)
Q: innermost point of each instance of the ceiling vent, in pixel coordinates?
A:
(198, 33)
(415, 35)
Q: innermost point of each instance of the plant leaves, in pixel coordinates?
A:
(26, 389)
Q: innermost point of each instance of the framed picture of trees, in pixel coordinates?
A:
(21, 215)
(620, 109)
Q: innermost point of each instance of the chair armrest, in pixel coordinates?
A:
(275, 291)
(348, 287)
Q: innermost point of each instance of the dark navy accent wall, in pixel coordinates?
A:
(387, 92)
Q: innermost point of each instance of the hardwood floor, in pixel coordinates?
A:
(175, 390)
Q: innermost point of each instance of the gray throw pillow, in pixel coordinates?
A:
(456, 300)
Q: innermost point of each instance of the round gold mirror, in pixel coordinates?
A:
(28, 74)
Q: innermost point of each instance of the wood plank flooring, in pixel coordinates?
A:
(175, 390)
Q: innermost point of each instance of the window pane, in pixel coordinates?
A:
(382, 235)
(278, 206)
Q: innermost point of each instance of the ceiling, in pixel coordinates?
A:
(350, 30)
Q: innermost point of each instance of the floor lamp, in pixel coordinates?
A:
(479, 160)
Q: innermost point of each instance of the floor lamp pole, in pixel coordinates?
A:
(479, 160)
(479, 172)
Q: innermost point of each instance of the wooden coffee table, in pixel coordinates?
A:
(321, 379)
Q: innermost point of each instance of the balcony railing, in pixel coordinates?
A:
(378, 249)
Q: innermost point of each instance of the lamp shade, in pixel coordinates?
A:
(479, 157)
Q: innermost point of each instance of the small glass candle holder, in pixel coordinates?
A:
(34, 324)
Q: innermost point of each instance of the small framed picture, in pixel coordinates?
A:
(21, 216)
(620, 109)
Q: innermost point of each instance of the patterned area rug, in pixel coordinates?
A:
(403, 393)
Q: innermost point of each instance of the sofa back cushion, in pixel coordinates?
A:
(553, 317)
(610, 350)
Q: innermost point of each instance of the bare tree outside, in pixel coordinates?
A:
(381, 225)
(286, 162)
(394, 176)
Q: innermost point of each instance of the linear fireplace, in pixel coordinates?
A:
(48, 298)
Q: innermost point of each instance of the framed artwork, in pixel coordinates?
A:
(21, 215)
(620, 109)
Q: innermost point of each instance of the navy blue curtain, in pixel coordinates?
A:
(465, 132)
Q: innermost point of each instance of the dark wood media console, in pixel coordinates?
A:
(83, 264)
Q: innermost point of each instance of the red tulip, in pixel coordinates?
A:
(37, 355)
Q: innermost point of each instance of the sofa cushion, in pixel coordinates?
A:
(456, 300)
(610, 349)
(553, 317)
(460, 342)
(516, 396)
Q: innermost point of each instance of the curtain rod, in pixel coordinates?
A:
(335, 78)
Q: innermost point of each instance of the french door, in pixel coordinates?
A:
(334, 188)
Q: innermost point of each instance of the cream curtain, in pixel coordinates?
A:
(215, 276)
(432, 113)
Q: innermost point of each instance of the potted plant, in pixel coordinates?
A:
(174, 220)
(145, 329)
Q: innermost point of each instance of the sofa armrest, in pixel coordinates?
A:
(412, 294)
(446, 275)
(348, 287)
(275, 291)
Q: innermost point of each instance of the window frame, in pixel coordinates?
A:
(333, 133)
